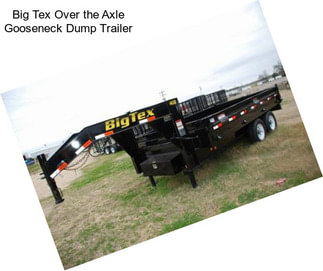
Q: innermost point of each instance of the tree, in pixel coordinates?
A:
(263, 76)
(274, 74)
(279, 69)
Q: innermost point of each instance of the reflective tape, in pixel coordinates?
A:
(55, 173)
(180, 127)
(232, 118)
(59, 169)
(219, 125)
(99, 136)
(87, 143)
(62, 166)
(104, 135)
(151, 118)
(83, 147)
(243, 112)
(147, 120)
(79, 150)
(143, 121)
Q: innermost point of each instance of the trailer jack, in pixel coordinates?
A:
(191, 175)
(152, 181)
(58, 195)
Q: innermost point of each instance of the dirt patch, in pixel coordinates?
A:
(63, 180)
(290, 114)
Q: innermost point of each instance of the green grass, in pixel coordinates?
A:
(164, 187)
(111, 207)
(127, 196)
(185, 220)
(227, 206)
(248, 196)
(293, 178)
(284, 102)
(86, 233)
(108, 167)
(225, 165)
(35, 168)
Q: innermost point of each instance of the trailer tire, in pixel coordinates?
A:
(113, 149)
(107, 150)
(270, 121)
(257, 131)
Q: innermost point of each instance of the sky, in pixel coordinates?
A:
(224, 52)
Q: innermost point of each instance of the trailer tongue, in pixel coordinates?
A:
(171, 137)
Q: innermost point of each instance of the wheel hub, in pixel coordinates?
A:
(272, 123)
(260, 131)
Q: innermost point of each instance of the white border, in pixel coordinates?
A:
(282, 232)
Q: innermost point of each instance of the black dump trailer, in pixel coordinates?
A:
(172, 137)
(105, 145)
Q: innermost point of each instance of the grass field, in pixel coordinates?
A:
(110, 207)
(34, 168)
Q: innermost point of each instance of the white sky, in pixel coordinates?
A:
(230, 50)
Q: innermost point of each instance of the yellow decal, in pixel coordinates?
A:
(172, 102)
(128, 120)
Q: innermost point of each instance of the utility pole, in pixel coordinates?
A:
(163, 95)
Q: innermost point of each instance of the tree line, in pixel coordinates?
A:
(278, 69)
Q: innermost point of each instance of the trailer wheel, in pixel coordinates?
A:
(257, 131)
(270, 121)
(107, 150)
(113, 149)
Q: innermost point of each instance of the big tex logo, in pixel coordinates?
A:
(126, 121)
